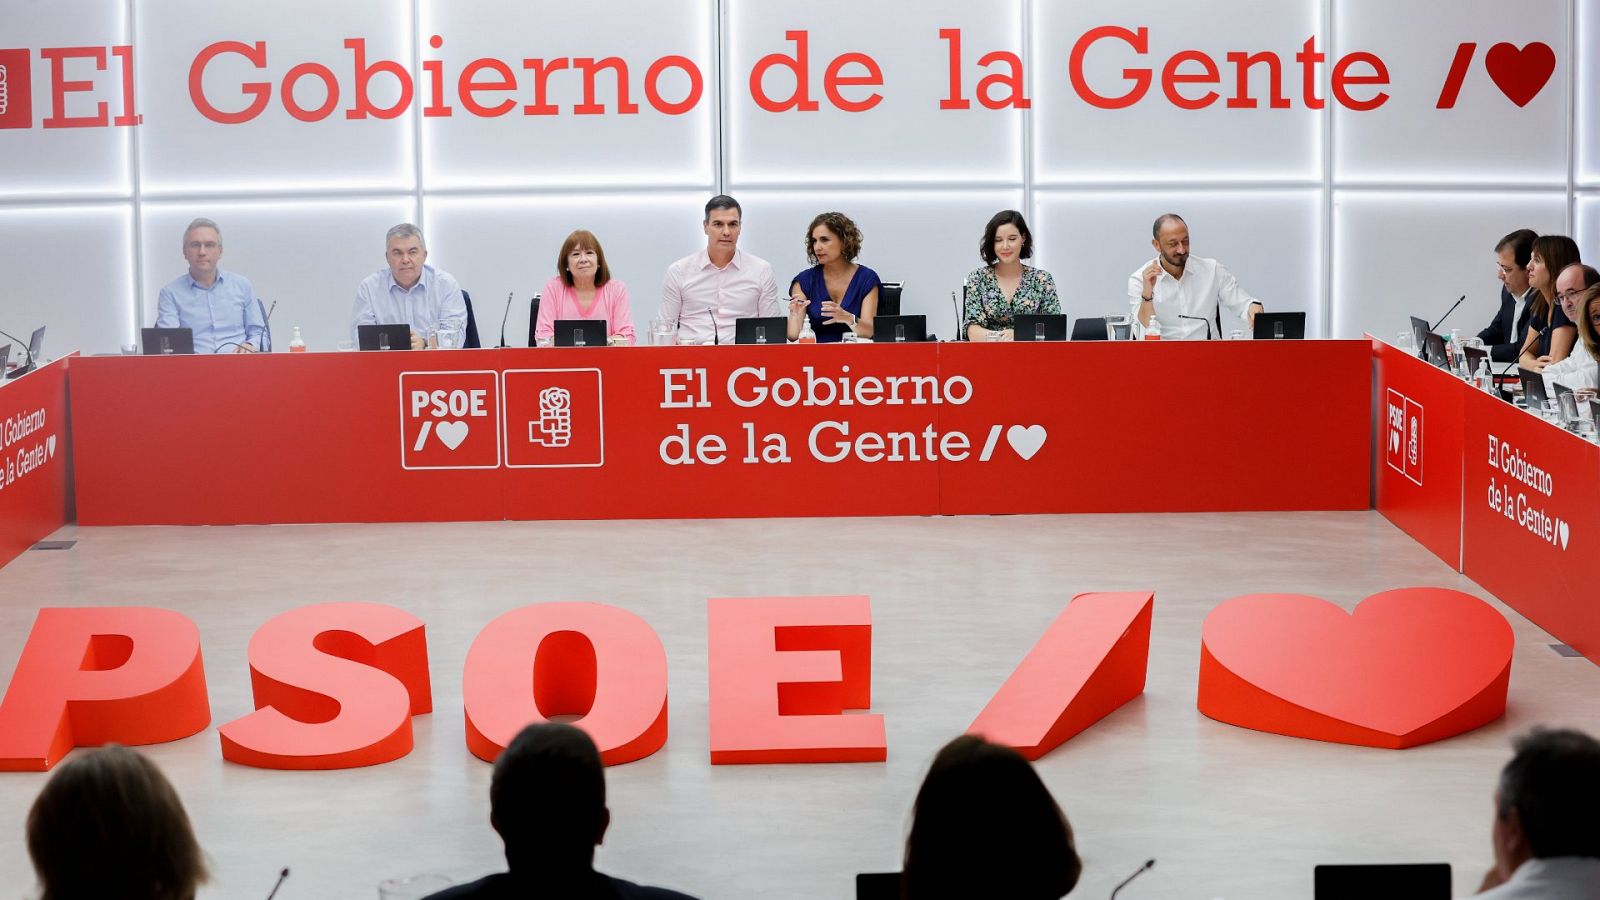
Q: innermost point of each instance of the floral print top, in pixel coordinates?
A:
(987, 306)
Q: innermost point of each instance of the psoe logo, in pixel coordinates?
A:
(553, 418)
(85, 87)
(449, 420)
(16, 90)
(1403, 435)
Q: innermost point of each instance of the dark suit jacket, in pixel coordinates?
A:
(599, 887)
(1507, 330)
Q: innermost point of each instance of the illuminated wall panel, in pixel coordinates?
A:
(563, 147)
(308, 255)
(1397, 255)
(69, 268)
(1268, 239)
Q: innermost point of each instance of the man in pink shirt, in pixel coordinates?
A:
(707, 291)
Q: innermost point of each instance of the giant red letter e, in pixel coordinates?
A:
(783, 670)
(91, 676)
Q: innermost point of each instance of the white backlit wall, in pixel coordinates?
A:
(1358, 216)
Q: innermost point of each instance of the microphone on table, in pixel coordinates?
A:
(27, 365)
(1198, 319)
(509, 295)
(266, 326)
(1148, 865)
(281, 876)
(1435, 326)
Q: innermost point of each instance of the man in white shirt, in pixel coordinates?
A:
(704, 293)
(1547, 820)
(1580, 369)
(410, 292)
(1183, 292)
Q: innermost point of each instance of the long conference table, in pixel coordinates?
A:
(829, 430)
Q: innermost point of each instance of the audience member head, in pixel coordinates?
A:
(985, 825)
(109, 824)
(581, 251)
(1548, 800)
(202, 248)
(1570, 285)
(1589, 320)
(1170, 236)
(835, 235)
(547, 799)
(1006, 238)
(405, 251)
(1512, 259)
(724, 217)
(1551, 253)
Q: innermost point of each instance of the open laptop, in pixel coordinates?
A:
(1433, 350)
(383, 337)
(166, 341)
(1090, 328)
(878, 886)
(1280, 326)
(1406, 881)
(5, 357)
(35, 347)
(1475, 356)
(1419, 332)
(1533, 392)
(761, 330)
(581, 333)
(899, 329)
(1034, 327)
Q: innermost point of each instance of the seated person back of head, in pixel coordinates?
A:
(108, 824)
(1547, 820)
(985, 825)
(547, 801)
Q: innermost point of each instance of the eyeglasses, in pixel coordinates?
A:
(1566, 296)
(1505, 269)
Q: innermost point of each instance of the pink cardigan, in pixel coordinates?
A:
(561, 302)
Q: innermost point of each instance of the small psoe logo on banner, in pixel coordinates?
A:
(449, 420)
(16, 89)
(553, 418)
(1403, 436)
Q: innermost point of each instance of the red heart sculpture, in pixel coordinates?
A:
(1521, 74)
(1406, 668)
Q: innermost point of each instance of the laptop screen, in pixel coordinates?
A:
(1407, 881)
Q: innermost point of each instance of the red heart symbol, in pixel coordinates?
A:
(1406, 668)
(1521, 74)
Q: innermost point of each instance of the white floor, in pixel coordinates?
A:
(1228, 813)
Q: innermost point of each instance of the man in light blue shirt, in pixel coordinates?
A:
(219, 306)
(411, 293)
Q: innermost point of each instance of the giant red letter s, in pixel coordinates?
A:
(782, 671)
(576, 659)
(336, 685)
(91, 676)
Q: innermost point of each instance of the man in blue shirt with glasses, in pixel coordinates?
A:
(219, 306)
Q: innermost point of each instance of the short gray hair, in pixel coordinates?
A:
(404, 230)
(201, 222)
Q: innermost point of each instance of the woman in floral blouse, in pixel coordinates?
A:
(1005, 288)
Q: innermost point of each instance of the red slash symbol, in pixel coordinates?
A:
(1520, 74)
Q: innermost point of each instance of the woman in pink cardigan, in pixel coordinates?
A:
(584, 289)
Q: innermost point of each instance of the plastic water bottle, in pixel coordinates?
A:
(1152, 332)
(297, 343)
(807, 336)
(1485, 378)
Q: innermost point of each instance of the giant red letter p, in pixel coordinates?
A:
(90, 676)
(783, 671)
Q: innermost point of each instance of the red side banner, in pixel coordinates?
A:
(1531, 523)
(35, 457)
(1417, 469)
(689, 432)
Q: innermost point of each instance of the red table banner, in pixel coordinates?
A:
(1531, 521)
(1417, 462)
(35, 457)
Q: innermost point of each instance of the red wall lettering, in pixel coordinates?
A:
(60, 87)
(259, 91)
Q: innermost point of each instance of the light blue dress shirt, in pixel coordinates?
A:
(434, 301)
(220, 316)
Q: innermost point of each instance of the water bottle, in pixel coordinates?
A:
(297, 344)
(1458, 360)
(807, 336)
(1485, 378)
(1152, 332)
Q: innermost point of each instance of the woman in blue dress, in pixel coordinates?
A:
(836, 294)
